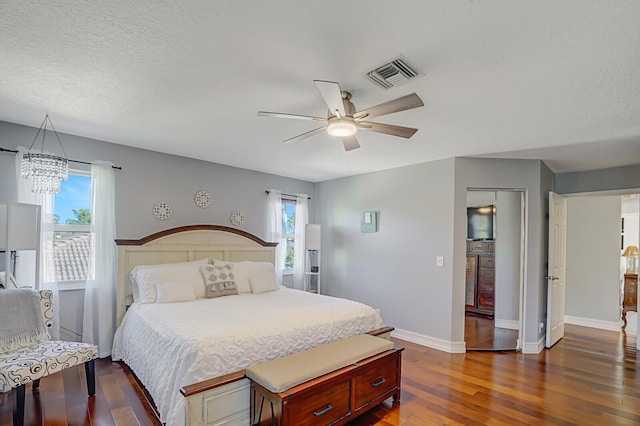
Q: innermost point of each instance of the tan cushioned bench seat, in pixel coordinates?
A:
(283, 373)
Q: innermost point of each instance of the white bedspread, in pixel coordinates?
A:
(176, 344)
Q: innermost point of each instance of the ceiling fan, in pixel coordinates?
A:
(343, 121)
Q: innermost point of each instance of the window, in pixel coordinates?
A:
(72, 228)
(288, 231)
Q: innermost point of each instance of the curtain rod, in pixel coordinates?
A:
(68, 159)
(287, 195)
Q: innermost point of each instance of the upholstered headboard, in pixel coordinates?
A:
(184, 244)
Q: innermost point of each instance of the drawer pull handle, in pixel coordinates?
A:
(379, 382)
(325, 411)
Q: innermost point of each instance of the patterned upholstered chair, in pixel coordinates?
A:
(29, 362)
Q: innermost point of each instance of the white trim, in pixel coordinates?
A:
(71, 285)
(430, 342)
(593, 323)
(534, 348)
(509, 324)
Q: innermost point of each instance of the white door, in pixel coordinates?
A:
(557, 268)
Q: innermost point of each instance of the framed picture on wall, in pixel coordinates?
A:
(369, 221)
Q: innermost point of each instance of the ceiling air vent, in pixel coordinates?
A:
(392, 74)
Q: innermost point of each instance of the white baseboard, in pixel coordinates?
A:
(509, 324)
(593, 323)
(534, 348)
(430, 342)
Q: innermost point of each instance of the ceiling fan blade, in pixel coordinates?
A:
(332, 95)
(396, 105)
(350, 142)
(293, 116)
(388, 129)
(305, 135)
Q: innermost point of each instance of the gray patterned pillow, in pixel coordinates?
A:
(218, 280)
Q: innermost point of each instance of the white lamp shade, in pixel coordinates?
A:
(312, 236)
(20, 225)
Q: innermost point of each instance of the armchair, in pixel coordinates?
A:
(26, 352)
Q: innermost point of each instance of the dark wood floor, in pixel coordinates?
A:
(480, 333)
(588, 378)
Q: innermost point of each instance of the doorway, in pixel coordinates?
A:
(494, 269)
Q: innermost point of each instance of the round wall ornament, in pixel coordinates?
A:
(203, 199)
(237, 218)
(162, 210)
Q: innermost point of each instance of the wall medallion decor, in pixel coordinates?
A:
(237, 218)
(162, 210)
(203, 199)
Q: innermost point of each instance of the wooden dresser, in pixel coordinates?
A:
(629, 296)
(480, 278)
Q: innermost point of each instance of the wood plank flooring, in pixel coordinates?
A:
(481, 334)
(588, 378)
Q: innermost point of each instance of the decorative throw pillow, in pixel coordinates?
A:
(174, 292)
(218, 280)
(244, 270)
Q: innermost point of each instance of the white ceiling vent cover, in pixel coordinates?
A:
(392, 74)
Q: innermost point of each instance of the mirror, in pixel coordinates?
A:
(494, 269)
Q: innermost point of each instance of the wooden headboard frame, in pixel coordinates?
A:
(185, 244)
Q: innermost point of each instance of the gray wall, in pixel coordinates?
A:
(536, 179)
(618, 178)
(394, 269)
(507, 246)
(423, 215)
(147, 177)
(593, 258)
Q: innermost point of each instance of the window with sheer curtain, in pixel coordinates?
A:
(286, 219)
(99, 276)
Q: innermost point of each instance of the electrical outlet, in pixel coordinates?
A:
(440, 261)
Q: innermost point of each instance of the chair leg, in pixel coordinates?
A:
(36, 385)
(90, 372)
(17, 397)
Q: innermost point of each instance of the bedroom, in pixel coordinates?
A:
(405, 196)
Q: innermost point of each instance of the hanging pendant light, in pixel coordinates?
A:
(46, 171)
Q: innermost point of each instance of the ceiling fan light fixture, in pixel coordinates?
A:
(342, 127)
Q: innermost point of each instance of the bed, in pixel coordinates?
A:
(170, 346)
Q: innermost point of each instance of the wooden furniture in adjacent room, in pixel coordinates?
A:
(630, 296)
(480, 278)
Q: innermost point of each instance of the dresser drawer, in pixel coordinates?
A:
(375, 380)
(485, 301)
(486, 276)
(487, 261)
(323, 406)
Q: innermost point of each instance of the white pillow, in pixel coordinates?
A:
(145, 277)
(265, 282)
(244, 270)
(174, 292)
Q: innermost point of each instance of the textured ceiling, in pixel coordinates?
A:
(556, 80)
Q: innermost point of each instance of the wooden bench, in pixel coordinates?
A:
(327, 385)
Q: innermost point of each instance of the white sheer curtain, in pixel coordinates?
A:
(26, 265)
(98, 325)
(274, 229)
(299, 251)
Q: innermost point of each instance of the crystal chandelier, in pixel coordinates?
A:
(46, 171)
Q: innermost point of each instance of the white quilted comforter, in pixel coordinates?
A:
(176, 344)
